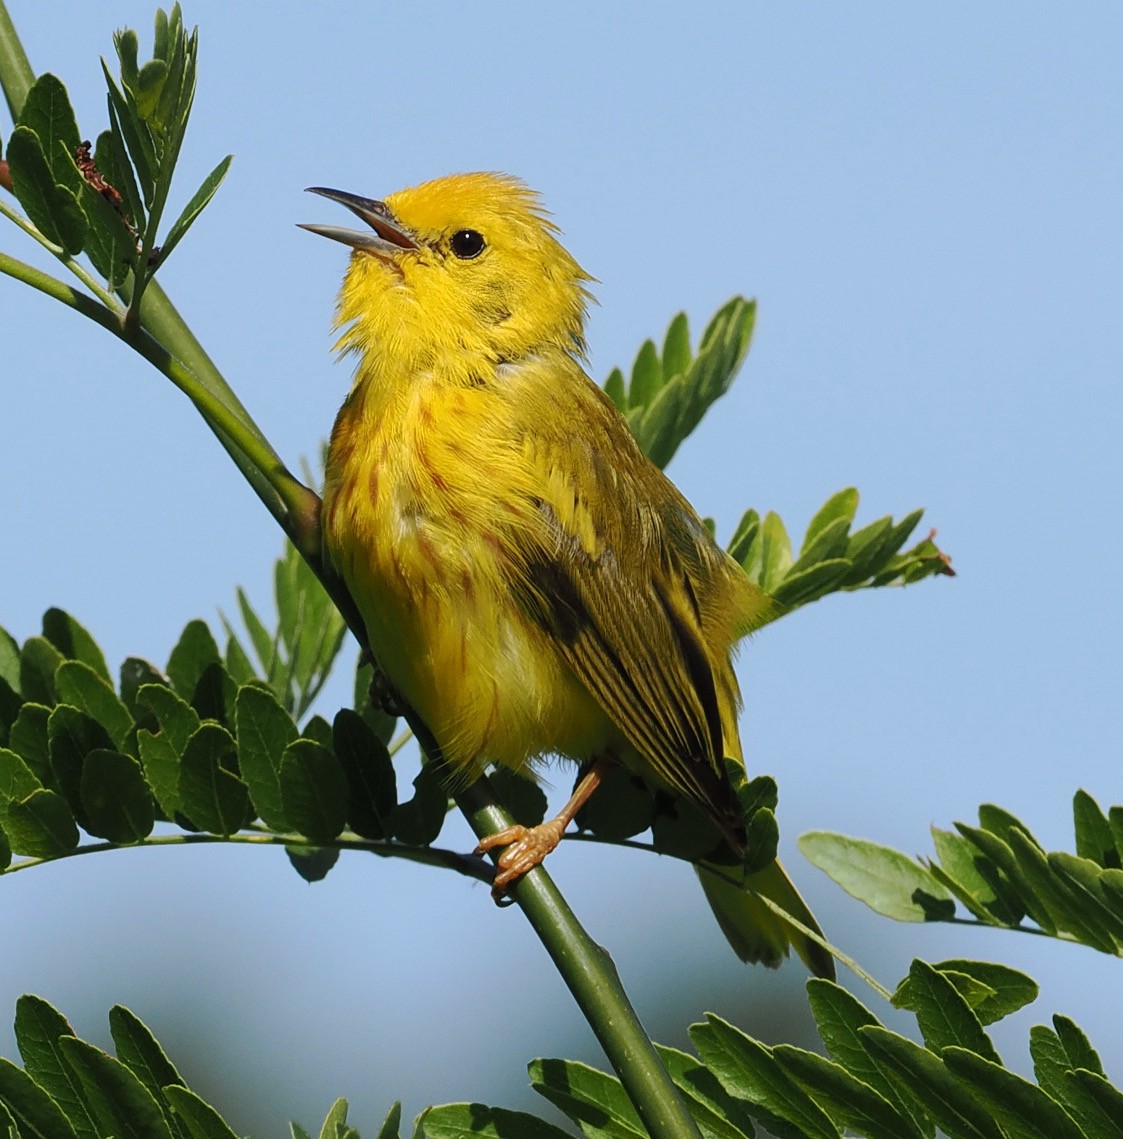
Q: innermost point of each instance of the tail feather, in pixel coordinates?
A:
(755, 932)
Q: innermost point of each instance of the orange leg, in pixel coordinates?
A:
(527, 847)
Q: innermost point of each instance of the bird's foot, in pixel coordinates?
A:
(382, 694)
(526, 849)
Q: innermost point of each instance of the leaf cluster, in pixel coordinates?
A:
(69, 1089)
(296, 657)
(871, 1081)
(998, 871)
(665, 399)
(831, 557)
(667, 395)
(108, 200)
(209, 742)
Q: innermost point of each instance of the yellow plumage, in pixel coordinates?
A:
(530, 583)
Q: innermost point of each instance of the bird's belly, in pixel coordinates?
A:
(444, 627)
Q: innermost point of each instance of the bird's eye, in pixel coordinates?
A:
(466, 244)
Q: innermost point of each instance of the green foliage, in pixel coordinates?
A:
(666, 399)
(871, 1082)
(667, 396)
(297, 657)
(831, 558)
(998, 872)
(110, 203)
(197, 745)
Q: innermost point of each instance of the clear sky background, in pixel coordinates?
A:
(925, 200)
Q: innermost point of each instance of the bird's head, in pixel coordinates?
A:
(466, 266)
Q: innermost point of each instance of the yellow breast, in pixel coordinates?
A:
(420, 477)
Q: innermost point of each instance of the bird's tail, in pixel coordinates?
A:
(757, 933)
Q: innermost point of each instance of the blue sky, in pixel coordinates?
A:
(925, 201)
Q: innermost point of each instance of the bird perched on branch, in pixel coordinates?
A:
(530, 582)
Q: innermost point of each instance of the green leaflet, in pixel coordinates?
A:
(993, 991)
(123, 1106)
(74, 642)
(194, 650)
(718, 1114)
(211, 794)
(313, 790)
(30, 1106)
(40, 825)
(38, 661)
(922, 1077)
(592, 1099)
(667, 396)
(1011, 1099)
(888, 882)
(265, 730)
(200, 1119)
(199, 202)
(214, 695)
(747, 1069)
(51, 207)
(418, 821)
(30, 739)
(392, 1122)
(117, 802)
(82, 687)
(178, 720)
(1094, 837)
(372, 792)
(460, 1120)
(847, 1100)
(944, 1015)
(140, 1052)
(47, 111)
(38, 1029)
(622, 808)
(17, 780)
(161, 770)
(73, 734)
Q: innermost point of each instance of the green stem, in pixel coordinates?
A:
(396, 745)
(468, 865)
(75, 267)
(586, 968)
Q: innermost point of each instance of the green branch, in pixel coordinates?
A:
(469, 865)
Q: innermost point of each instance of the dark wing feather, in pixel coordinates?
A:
(640, 655)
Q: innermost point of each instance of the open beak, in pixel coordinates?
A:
(387, 239)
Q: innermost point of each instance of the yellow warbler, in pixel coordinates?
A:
(530, 583)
